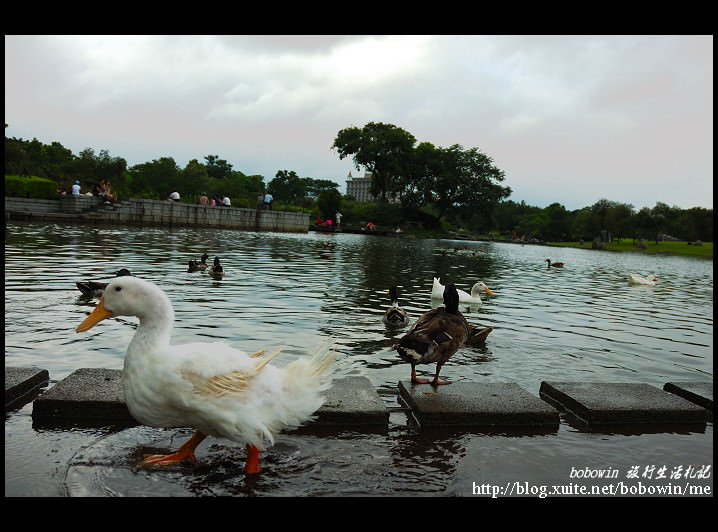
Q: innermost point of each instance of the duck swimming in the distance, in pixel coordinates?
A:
(212, 387)
(216, 271)
(474, 298)
(94, 288)
(554, 264)
(637, 279)
(435, 337)
(395, 316)
(198, 266)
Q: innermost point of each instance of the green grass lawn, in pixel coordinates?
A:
(667, 248)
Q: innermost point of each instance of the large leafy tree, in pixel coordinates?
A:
(157, 178)
(385, 150)
(287, 187)
(218, 168)
(466, 181)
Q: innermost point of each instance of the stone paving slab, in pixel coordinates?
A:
(700, 393)
(476, 404)
(615, 403)
(87, 393)
(352, 401)
(20, 381)
(92, 394)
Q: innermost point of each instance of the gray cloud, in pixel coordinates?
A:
(570, 119)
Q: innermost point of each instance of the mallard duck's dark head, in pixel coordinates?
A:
(451, 298)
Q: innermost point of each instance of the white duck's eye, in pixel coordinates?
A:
(118, 288)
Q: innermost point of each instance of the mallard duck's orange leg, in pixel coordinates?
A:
(414, 378)
(183, 453)
(252, 465)
(436, 380)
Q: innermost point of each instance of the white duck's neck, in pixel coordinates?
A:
(155, 328)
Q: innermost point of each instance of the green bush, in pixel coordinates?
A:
(30, 187)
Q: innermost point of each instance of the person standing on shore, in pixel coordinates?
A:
(203, 199)
(339, 221)
(268, 198)
(76, 189)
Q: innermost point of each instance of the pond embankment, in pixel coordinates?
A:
(91, 209)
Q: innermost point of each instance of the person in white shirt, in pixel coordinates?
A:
(226, 202)
(268, 198)
(76, 188)
(174, 196)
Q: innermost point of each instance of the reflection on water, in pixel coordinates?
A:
(580, 323)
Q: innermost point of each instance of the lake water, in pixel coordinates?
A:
(583, 322)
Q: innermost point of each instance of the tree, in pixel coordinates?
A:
(465, 182)
(385, 150)
(218, 168)
(194, 178)
(329, 203)
(314, 187)
(156, 178)
(287, 187)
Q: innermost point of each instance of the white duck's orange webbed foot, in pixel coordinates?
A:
(186, 452)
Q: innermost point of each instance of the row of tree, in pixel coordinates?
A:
(621, 220)
(449, 187)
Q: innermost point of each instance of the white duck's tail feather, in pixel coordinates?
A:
(316, 371)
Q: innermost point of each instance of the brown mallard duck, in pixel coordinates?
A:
(477, 335)
(435, 337)
(395, 316)
(95, 288)
(216, 271)
(198, 266)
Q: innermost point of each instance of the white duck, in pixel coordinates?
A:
(474, 298)
(212, 387)
(637, 279)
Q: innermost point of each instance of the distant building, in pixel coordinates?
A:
(359, 187)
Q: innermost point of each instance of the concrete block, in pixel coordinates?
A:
(88, 393)
(477, 404)
(92, 394)
(352, 401)
(21, 384)
(615, 403)
(700, 393)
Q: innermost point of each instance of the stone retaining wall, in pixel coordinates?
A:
(154, 212)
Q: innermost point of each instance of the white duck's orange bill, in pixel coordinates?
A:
(489, 291)
(95, 317)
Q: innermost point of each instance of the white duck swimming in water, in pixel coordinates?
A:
(212, 387)
(637, 279)
(474, 298)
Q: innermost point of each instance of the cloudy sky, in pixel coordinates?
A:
(570, 119)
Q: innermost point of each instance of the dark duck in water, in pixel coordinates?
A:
(395, 316)
(95, 288)
(435, 337)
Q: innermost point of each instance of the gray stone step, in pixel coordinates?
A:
(596, 403)
(23, 384)
(700, 393)
(477, 404)
(96, 394)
